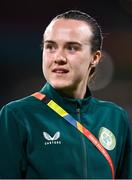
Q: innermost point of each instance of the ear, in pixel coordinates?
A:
(96, 58)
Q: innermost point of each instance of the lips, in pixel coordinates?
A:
(60, 70)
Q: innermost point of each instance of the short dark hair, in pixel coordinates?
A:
(97, 39)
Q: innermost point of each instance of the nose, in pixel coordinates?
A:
(60, 58)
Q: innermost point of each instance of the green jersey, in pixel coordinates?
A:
(35, 142)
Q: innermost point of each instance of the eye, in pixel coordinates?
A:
(73, 48)
(49, 47)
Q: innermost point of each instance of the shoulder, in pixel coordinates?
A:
(109, 107)
(23, 103)
(107, 104)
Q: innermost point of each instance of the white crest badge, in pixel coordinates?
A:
(107, 138)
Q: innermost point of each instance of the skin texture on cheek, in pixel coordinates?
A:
(77, 77)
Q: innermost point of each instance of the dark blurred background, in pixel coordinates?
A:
(22, 24)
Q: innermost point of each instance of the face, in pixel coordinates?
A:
(67, 56)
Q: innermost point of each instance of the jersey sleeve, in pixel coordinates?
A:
(125, 171)
(12, 158)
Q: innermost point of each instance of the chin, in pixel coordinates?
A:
(60, 85)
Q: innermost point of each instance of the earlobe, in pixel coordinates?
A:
(94, 63)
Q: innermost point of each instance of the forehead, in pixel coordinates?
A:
(69, 29)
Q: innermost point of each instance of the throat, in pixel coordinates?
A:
(70, 93)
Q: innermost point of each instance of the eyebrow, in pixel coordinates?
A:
(49, 41)
(68, 42)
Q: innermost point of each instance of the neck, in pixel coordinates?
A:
(73, 93)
